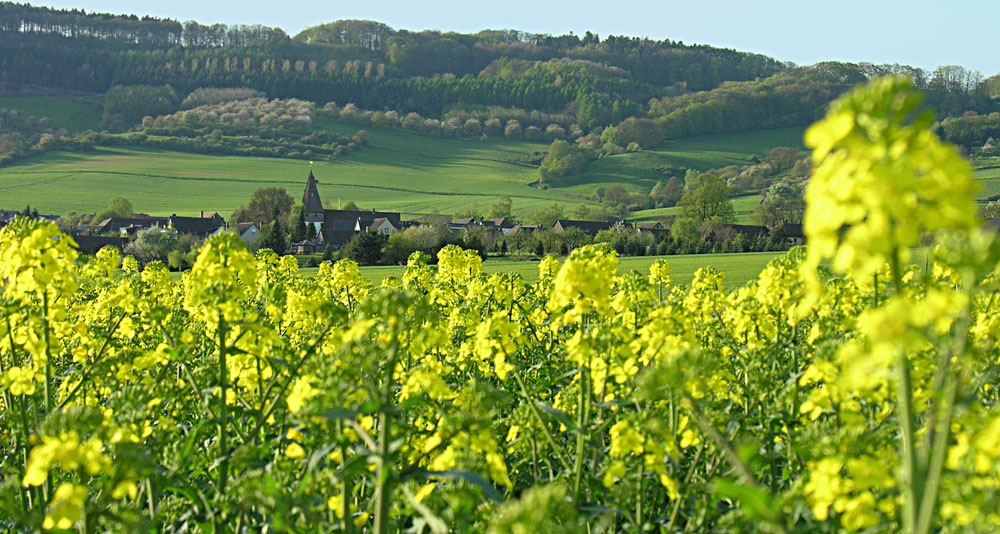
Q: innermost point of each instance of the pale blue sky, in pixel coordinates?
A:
(922, 33)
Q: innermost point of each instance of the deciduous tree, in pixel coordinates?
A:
(707, 197)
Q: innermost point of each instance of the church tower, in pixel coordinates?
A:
(311, 201)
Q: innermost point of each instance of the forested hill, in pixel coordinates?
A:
(363, 62)
(666, 89)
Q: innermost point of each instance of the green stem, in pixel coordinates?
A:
(8, 402)
(541, 422)
(86, 368)
(583, 411)
(638, 495)
(383, 477)
(384, 489)
(345, 485)
(727, 448)
(911, 481)
(149, 500)
(48, 353)
(222, 408)
(22, 445)
(941, 424)
(928, 502)
(687, 480)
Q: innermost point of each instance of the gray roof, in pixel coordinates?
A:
(310, 198)
(591, 227)
(198, 226)
(115, 224)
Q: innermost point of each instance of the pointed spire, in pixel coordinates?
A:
(310, 198)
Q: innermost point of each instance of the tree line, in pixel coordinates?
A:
(130, 29)
(686, 90)
(91, 52)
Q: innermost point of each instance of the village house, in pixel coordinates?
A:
(589, 227)
(501, 225)
(749, 231)
(8, 215)
(200, 227)
(439, 220)
(654, 228)
(792, 233)
(125, 226)
(248, 232)
(525, 228)
(381, 226)
(465, 223)
(90, 244)
(306, 247)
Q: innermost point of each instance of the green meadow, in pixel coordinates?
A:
(74, 113)
(990, 180)
(401, 171)
(742, 208)
(639, 171)
(738, 268)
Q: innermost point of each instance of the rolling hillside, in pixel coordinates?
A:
(639, 171)
(74, 113)
(401, 170)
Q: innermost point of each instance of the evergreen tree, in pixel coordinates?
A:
(299, 230)
(272, 236)
(365, 248)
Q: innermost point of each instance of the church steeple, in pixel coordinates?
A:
(310, 199)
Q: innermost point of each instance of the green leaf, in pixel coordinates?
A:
(428, 517)
(558, 415)
(756, 502)
(339, 413)
(467, 476)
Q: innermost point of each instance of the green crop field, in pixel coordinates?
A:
(742, 208)
(74, 113)
(161, 182)
(990, 179)
(739, 268)
(401, 171)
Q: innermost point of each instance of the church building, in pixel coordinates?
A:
(337, 227)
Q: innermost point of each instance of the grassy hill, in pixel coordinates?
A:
(401, 171)
(74, 113)
(742, 208)
(639, 171)
(990, 178)
(161, 182)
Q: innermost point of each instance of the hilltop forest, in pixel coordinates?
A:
(598, 81)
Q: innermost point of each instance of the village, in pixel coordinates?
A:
(330, 231)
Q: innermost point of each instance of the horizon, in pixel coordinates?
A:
(927, 34)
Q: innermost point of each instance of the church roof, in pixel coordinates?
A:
(310, 199)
